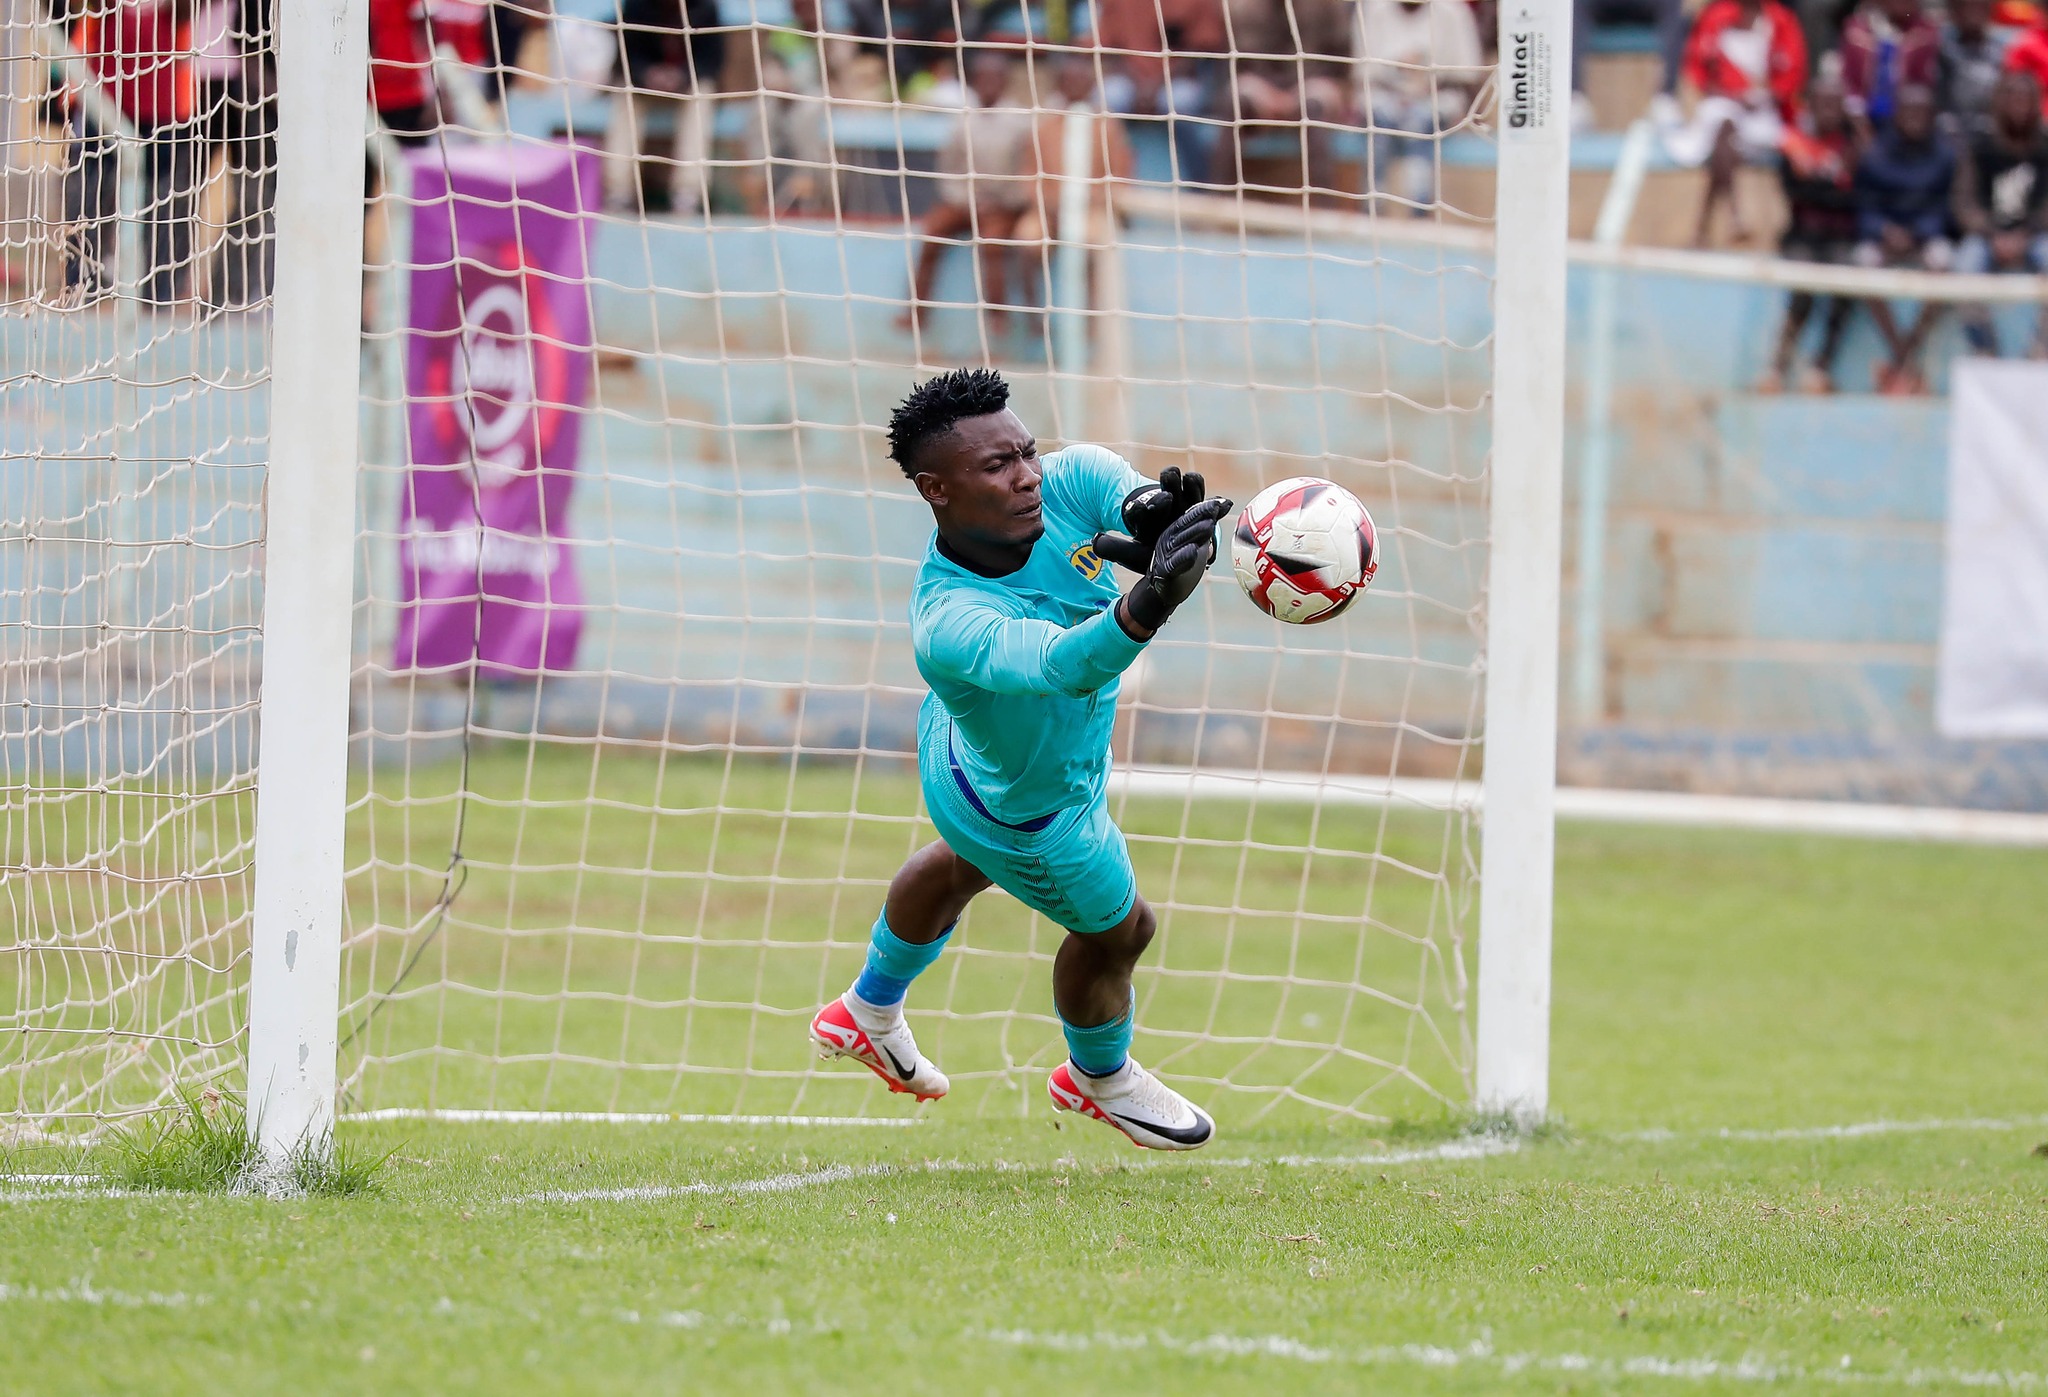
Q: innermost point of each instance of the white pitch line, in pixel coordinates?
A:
(488, 1117)
(1473, 1148)
(651, 1193)
(1480, 1148)
(1481, 1354)
(485, 1117)
(49, 1188)
(84, 1292)
(1683, 808)
(1476, 1147)
(1451, 1151)
(1853, 1131)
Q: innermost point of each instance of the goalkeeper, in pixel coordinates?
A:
(1022, 636)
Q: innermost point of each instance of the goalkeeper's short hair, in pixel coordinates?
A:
(935, 405)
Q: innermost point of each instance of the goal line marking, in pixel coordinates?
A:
(654, 1193)
(40, 1188)
(1474, 1148)
(1909, 822)
(1853, 1131)
(484, 1117)
(1478, 1148)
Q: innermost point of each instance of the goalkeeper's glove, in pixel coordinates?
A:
(1149, 511)
(1183, 553)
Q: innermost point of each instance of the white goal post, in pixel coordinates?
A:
(309, 562)
(1524, 561)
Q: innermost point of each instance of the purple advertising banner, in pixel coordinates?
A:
(498, 363)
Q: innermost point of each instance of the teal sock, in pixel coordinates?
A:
(1103, 1049)
(893, 963)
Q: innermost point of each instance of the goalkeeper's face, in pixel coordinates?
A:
(981, 480)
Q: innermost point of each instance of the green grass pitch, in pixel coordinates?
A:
(700, 910)
(1689, 1227)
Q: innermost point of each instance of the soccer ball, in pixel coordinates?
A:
(1304, 549)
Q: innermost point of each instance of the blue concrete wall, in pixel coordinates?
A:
(748, 549)
(130, 561)
(1776, 567)
(751, 543)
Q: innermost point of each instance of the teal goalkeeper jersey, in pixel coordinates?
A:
(1026, 666)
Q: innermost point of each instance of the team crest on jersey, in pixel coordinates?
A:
(1085, 562)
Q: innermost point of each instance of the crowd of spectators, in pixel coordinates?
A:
(1905, 137)
(1915, 140)
(1243, 91)
(1229, 81)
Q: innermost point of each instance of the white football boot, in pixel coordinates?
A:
(1150, 1113)
(889, 1052)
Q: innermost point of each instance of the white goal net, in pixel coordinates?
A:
(633, 702)
(133, 420)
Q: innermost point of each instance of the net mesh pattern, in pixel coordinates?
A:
(134, 408)
(627, 882)
(624, 877)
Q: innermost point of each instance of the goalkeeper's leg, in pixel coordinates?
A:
(866, 1023)
(1075, 870)
(1091, 989)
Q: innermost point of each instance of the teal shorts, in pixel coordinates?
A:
(1073, 867)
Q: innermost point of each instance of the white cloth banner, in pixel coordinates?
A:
(1993, 679)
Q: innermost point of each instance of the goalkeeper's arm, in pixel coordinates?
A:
(1146, 513)
(1016, 655)
(1184, 552)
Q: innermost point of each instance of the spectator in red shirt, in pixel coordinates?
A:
(1748, 51)
(2029, 54)
(401, 69)
(139, 51)
(463, 27)
(1887, 45)
(1747, 61)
